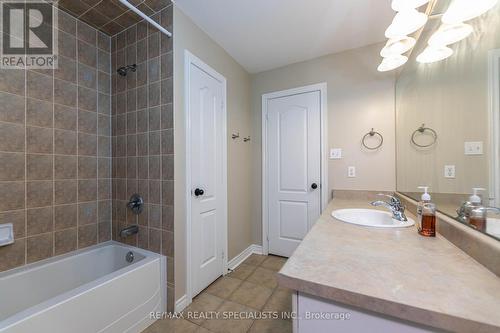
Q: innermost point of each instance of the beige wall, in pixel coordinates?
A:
(189, 36)
(359, 98)
(450, 96)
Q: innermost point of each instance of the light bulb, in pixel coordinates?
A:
(464, 10)
(450, 33)
(397, 46)
(434, 54)
(405, 23)
(392, 62)
(400, 5)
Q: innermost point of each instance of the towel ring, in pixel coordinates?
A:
(422, 130)
(371, 134)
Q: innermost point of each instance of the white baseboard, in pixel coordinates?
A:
(181, 303)
(236, 261)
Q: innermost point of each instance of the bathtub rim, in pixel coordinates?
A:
(149, 257)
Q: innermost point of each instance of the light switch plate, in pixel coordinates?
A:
(335, 153)
(449, 171)
(6, 234)
(351, 172)
(473, 148)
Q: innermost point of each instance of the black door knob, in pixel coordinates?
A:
(314, 186)
(198, 192)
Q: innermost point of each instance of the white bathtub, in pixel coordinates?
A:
(90, 290)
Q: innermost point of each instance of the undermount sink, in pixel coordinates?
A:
(370, 218)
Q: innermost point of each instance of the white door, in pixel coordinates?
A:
(207, 174)
(294, 168)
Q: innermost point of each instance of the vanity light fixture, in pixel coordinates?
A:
(405, 23)
(464, 10)
(400, 5)
(450, 33)
(397, 46)
(433, 54)
(392, 62)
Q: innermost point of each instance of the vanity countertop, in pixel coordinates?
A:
(394, 272)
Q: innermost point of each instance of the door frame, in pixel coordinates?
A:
(322, 88)
(494, 120)
(191, 59)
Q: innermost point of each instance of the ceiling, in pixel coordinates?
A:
(110, 16)
(266, 34)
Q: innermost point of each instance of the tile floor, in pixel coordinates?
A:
(252, 287)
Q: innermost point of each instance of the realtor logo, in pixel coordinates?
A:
(29, 38)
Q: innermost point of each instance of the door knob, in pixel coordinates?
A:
(314, 186)
(198, 192)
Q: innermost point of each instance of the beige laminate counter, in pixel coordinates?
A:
(394, 272)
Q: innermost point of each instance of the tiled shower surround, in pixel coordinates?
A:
(55, 149)
(77, 141)
(142, 137)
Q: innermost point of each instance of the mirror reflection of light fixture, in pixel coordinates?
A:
(393, 62)
(464, 10)
(400, 5)
(450, 33)
(433, 54)
(405, 23)
(397, 46)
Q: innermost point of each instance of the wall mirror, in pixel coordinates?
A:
(448, 120)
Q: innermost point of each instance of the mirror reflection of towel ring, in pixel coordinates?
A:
(422, 129)
(370, 134)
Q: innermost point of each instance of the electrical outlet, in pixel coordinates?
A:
(449, 171)
(335, 153)
(351, 172)
(473, 148)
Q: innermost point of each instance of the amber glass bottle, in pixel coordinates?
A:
(426, 213)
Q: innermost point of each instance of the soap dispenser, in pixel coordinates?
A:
(476, 214)
(426, 214)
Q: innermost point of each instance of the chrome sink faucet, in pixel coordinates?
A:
(394, 205)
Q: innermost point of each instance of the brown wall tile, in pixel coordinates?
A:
(12, 166)
(12, 108)
(39, 113)
(65, 216)
(39, 86)
(17, 218)
(39, 247)
(65, 117)
(65, 167)
(12, 195)
(87, 122)
(65, 241)
(39, 140)
(65, 142)
(11, 137)
(39, 167)
(12, 81)
(87, 235)
(87, 190)
(87, 213)
(65, 93)
(13, 255)
(39, 194)
(65, 191)
(39, 220)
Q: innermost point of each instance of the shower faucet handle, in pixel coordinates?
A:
(136, 204)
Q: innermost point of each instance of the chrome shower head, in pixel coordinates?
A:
(124, 70)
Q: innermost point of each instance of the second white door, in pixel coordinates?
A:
(293, 168)
(207, 173)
